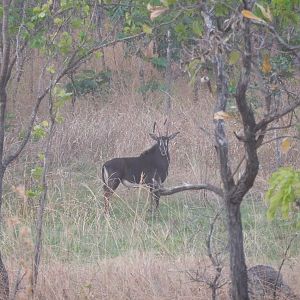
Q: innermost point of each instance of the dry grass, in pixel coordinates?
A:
(130, 257)
(132, 276)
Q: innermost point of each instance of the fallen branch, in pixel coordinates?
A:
(189, 187)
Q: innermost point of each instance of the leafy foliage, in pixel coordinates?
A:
(39, 131)
(284, 192)
(151, 86)
(286, 12)
(89, 81)
(160, 63)
(282, 64)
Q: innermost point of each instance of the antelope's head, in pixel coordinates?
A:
(162, 140)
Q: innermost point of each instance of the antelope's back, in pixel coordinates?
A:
(128, 168)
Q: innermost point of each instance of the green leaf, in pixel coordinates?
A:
(41, 156)
(82, 36)
(76, 23)
(58, 21)
(42, 15)
(38, 132)
(86, 9)
(51, 69)
(38, 42)
(283, 192)
(59, 119)
(197, 28)
(30, 25)
(234, 57)
(60, 97)
(265, 12)
(45, 124)
(194, 66)
(147, 29)
(181, 31)
(65, 43)
(168, 3)
(37, 172)
(98, 54)
(221, 10)
(159, 62)
(34, 192)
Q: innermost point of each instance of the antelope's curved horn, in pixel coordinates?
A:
(154, 125)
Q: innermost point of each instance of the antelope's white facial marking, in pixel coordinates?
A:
(163, 146)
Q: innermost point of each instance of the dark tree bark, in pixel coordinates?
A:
(238, 268)
(4, 283)
(233, 195)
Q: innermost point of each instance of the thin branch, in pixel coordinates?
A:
(43, 196)
(105, 43)
(279, 138)
(17, 284)
(239, 165)
(282, 127)
(285, 255)
(190, 187)
(272, 117)
(209, 238)
(14, 154)
(277, 36)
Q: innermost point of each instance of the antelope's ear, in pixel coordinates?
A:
(172, 136)
(153, 136)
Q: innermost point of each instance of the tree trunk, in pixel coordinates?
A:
(238, 268)
(168, 77)
(4, 283)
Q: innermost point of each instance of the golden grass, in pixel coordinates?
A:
(97, 130)
(133, 276)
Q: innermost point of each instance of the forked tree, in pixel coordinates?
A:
(239, 45)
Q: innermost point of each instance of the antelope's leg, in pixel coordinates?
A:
(107, 195)
(109, 189)
(156, 197)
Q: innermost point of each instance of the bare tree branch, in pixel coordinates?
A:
(17, 284)
(15, 153)
(247, 179)
(283, 127)
(277, 36)
(43, 197)
(190, 187)
(275, 116)
(280, 137)
(285, 255)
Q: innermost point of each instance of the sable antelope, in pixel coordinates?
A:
(150, 169)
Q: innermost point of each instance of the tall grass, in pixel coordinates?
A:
(133, 254)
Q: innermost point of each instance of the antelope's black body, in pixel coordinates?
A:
(150, 168)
